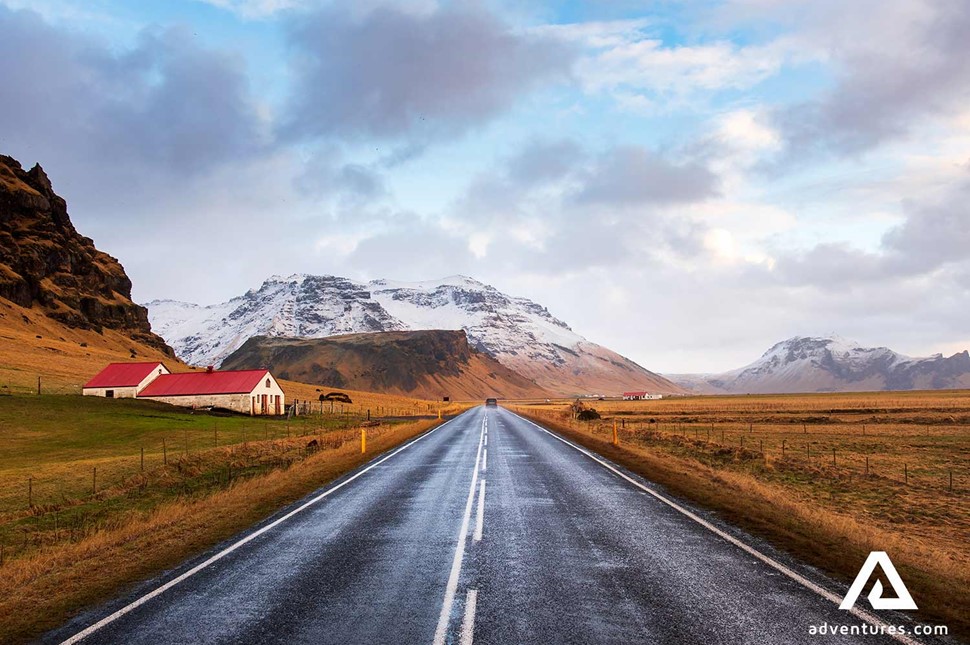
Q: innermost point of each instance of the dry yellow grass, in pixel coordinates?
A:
(378, 403)
(726, 453)
(32, 345)
(46, 588)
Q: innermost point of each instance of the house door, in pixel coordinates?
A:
(265, 403)
(277, 397)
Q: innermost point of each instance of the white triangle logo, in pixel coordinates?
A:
(902, 600)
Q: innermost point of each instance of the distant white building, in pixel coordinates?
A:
(641, 396)
(123, 380)
(254, 392)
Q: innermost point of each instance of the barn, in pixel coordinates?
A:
(253, 392)
(123, 380)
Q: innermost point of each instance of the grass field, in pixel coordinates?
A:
(70, 462)
(82, 479)
(829, 477)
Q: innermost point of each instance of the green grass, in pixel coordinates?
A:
(40, 430)
(70, 465)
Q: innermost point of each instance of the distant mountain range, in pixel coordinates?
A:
(518, 333)
(832, 364)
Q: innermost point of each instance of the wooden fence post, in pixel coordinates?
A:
(94, 481)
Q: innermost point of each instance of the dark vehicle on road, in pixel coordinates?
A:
(491, 402)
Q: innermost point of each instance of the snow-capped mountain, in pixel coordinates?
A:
(519, 333)
(833, 364)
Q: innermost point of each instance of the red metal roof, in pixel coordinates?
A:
(192, 383)
(122, 374)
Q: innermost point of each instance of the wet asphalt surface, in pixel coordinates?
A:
(569, 553)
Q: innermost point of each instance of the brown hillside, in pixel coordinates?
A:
(426, 364)
(46, 265)
(33, 344)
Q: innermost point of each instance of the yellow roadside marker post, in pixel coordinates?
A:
(616, 437)
(363, 440)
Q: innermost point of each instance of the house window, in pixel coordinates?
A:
(109, 393)
(267, 383)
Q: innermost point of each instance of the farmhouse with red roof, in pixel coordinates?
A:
(253, 392)
(123, 380)
(640, 396)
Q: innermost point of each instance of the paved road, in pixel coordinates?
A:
(488, 529)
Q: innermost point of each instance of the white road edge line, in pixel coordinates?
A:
(805, 582)
(480, 516)
(468, 622)
(107, 620)
(441, 632)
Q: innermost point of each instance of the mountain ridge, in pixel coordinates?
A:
(832, 364)
(521, 334)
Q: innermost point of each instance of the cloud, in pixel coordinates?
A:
(325, 173)
(166, 104)
(255, 9)
(896, 63)
(541, 161)
(935, 233)
(635, 175)
(933, 237)
(645, 75)
(394, 74)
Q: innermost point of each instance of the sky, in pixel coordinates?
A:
(687, 183)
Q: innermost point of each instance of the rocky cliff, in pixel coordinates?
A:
(45, 263)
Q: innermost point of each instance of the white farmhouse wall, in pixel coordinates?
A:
(234, 402)
(119, 392)
(158, 371)
(270, 391)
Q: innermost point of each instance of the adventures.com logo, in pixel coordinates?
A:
(881, 559)
(902, 600)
